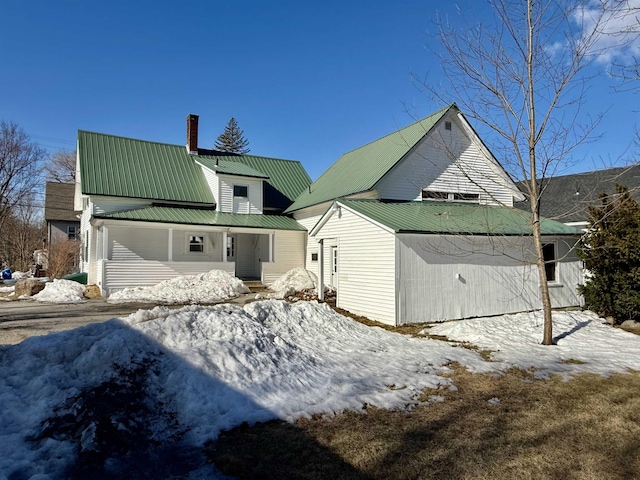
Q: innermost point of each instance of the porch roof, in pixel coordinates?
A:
(193, 216)
(453, 218)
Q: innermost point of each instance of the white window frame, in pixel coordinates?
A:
(246, 187)
(189, 242)
(548, 264)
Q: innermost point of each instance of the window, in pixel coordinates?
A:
(466, 196)
(550, 264)
(431, 195)
(457, 196)
(72, 232)
(231, 247)
(240, 191)
(196, 243)
(447, 125)
(314, 257)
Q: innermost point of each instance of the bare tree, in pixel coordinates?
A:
(61, 167)
(20, 169)
(524, 78)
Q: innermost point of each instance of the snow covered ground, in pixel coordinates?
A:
(210, 287)
(192, 372)
(146, 390)
(584, 343)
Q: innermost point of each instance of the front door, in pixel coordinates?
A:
(334, 267)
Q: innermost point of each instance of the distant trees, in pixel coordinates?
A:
(61, 167)
(611, 254)
(20, 170)
(232, 140)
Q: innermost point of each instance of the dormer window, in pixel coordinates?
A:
(466, 197)
(240, 191)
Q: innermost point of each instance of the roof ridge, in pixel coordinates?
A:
(131, 138)
(400, 129)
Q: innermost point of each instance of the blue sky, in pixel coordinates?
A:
(306, 80)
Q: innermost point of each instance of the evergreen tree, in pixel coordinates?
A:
(232, 139)
(611, 255)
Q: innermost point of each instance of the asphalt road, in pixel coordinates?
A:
(20, 319)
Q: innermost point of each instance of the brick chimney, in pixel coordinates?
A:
(192, 134)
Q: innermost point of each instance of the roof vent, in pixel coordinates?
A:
(192, 134)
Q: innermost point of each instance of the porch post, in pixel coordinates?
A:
(271, 252)
(321, 269)
(170, 246)
(224, 246)
(105, 243)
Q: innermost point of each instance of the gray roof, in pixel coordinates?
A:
(58, 202)
(567, 198)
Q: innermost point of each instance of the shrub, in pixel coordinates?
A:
(63, 258)
(611, 255)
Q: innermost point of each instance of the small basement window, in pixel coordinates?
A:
(550, 263)
(196, 243)
(240, 191)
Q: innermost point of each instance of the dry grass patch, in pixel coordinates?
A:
(587, 428)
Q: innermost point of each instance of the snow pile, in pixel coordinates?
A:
(210, 287)
(295, 280)
(181, 376)
(8, 289)
(585, 343)
(19, 275)
(61, 291)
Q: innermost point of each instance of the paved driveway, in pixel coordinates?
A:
(21, 319)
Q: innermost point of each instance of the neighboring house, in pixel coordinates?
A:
(63, 221)
(419, 226)
(567, 198)
(151, 211)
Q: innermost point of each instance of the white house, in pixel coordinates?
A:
(420, 226)
(416, 226)
(151, 211)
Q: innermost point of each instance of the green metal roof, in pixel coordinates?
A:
(453, 218)
(192, 216)
(361, 169)
(125, 167)
(230, 168)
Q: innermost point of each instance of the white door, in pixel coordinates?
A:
(334, 267)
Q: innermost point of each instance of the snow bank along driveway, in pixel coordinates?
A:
(165, 381)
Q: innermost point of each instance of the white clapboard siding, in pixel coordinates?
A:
(126, 243)
(448, 277)
(119, 275)
(366, 265)
(289, 253)
(252, 204)
(448, 161)
(214, 184)
(116, 204)
(85, 236)
(308, 217)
